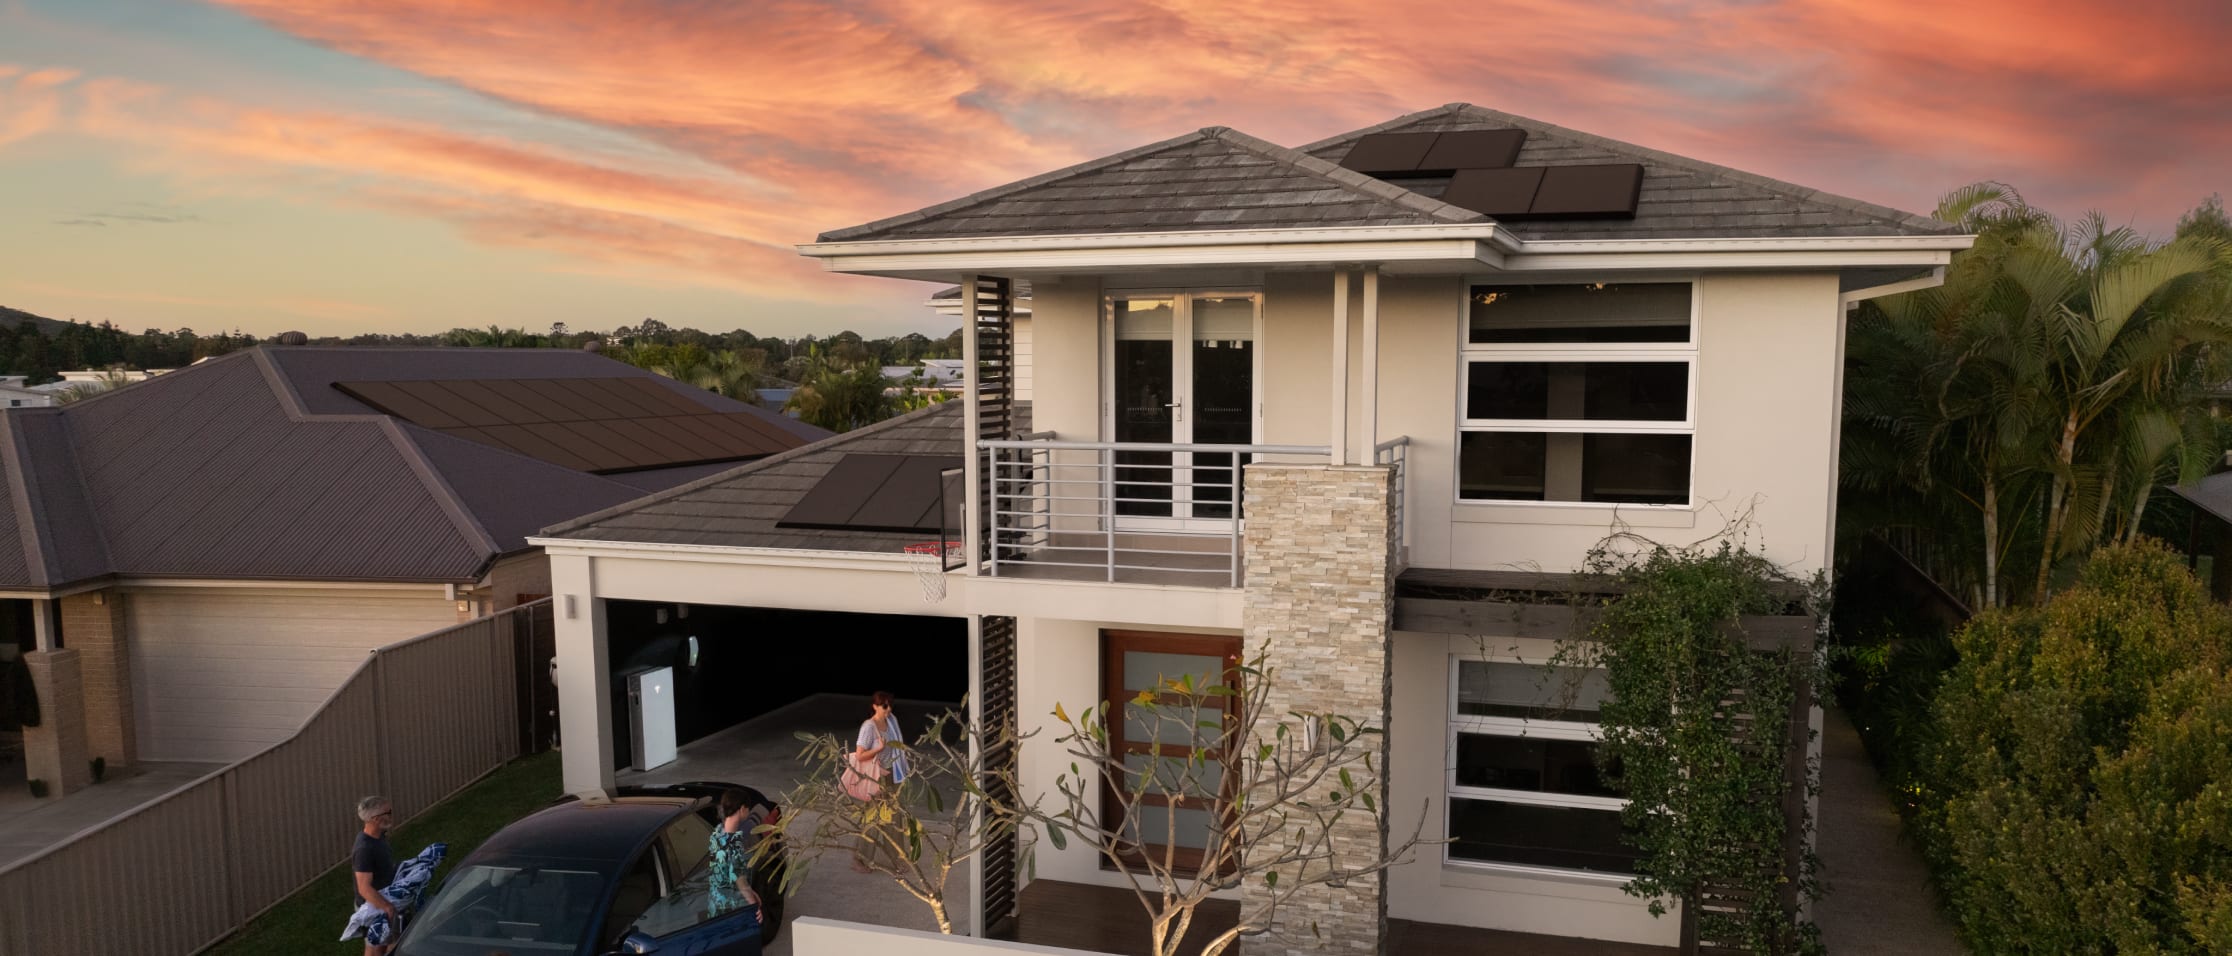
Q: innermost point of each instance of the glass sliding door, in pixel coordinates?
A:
(1181, 371)
(1223, 398)
(1144, 405)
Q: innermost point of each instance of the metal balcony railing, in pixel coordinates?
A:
(1395, 453)
(1128, 511)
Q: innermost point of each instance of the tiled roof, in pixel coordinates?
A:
(739, 508)
(1216, 178)
(1219, 179)
(2212, 494)
(1682, 197)
(219, 470)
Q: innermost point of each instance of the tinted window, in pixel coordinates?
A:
(686, 843)
(1641, 312)
(1578, 391)
(1530, 764)
(1564, 466)
(1511, 689)
(1564, 837)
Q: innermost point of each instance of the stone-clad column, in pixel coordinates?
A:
(1319, 548)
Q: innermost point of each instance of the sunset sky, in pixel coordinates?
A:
(415, 165)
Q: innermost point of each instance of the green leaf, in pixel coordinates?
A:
(1367, 798)
(1334, 726)
(1054, 834)
(1347, 781)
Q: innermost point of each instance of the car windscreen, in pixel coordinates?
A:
(518, 907)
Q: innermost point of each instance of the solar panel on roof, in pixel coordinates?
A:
(1380, 154)
(593, 424)
(1473, 149)
(1495, 192)
(1588, 192)
(864, 492)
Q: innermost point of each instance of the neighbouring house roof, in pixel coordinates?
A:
(2212, 494)
(253, 466)
(1220, 179)
(740, 508)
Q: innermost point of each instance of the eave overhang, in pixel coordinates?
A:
(1417, 250)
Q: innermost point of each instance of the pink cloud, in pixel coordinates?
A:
(32, 104)
(798, 116)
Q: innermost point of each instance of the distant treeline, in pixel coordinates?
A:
(41, 348)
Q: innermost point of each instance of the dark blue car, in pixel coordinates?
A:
(593, 877)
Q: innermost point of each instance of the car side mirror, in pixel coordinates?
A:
(637, 941)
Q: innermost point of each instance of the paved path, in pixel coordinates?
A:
(763, 753)
(1879, 900)
(28, 826)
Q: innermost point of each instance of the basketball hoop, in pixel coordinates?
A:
(928, 560)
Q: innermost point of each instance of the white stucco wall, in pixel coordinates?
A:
(1462, 894)
(1766, 410)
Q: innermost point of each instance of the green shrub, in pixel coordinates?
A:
(2080, 793)
(38, 788)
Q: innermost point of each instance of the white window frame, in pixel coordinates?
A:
(1469, 353)
(1514, 727)
(1182, 301)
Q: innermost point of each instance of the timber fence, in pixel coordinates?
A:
(417, 721)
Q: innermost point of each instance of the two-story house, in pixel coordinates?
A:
(1276, 392)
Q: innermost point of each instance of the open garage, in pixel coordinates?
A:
(731, 664)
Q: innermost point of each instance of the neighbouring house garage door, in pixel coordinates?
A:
(219, 673)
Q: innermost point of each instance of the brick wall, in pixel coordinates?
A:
(522, 574)
(94, 626)
(54, 751)
(1319, 545)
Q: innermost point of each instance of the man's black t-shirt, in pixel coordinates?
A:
(371, 856)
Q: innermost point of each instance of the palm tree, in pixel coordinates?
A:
(2129, 324)
(724, 372)
(840, 395)
(2038, 395)
(1942, 399)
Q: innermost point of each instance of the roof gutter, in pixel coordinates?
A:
(1423, 248)
(1443, 245)
(1852, 299)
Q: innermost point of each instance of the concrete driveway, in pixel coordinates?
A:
(763, 753)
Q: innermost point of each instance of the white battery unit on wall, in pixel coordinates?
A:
(651, 705)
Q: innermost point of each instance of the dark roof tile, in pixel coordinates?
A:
(1234, 181)
(740, 507)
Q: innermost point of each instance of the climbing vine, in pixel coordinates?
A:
(1694, 733)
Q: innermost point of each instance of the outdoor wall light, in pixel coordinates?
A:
(569, 607)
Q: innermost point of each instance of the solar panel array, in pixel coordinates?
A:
(597, 425)
(863, 492)
(1474, 170)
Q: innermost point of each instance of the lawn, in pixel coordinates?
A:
(310, 921)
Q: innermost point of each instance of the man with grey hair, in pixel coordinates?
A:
(374, 864)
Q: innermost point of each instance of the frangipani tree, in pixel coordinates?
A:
(1292, 801)
(952, 807)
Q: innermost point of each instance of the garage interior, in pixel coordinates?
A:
(732, 664)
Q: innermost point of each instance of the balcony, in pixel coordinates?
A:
(1130, 512)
